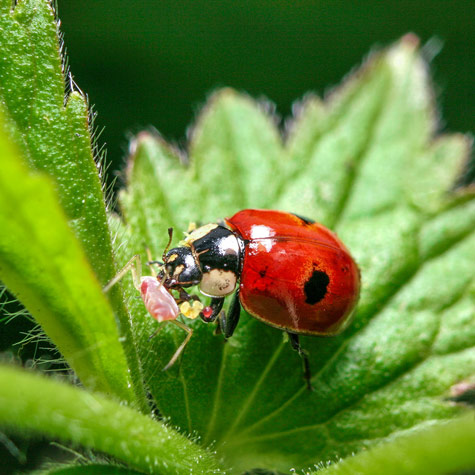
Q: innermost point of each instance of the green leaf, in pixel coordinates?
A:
(43, 264)
(367, 163)
(53, 131)
(43, 406)
(235, 150)
(438, 448)
(89, 469)
(333, 138)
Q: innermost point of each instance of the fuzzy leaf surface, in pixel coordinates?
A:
(90, 469)
(366, 162)
(43, 406)
(51, 133)
(437, 448)
(42, 261)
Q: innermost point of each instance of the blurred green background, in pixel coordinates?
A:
(154, 62)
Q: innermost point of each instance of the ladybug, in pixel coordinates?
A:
(287, 271)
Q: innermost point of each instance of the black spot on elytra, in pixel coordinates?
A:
(263, 272)
(316, 287)
(305, 220)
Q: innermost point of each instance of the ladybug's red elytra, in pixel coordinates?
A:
(285, 270)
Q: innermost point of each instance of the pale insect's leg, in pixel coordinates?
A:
(178, 352)
(135, 266)
(155, 333)
(151, 263)
(150, 260)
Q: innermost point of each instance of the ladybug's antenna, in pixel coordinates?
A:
(170, 237)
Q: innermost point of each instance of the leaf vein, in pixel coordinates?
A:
(214, 413)
(257, 386)
(357, 162)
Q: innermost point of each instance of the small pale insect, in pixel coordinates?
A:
(158, 301)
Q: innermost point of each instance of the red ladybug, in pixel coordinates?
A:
(285, 270)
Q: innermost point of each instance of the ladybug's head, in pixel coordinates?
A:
(180, 268)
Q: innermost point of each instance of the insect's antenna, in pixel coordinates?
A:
(170, 237)
(158, 263)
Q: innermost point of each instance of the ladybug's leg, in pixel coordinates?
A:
(295, 342)
(186, 297)
(211, 312)
(228, 322)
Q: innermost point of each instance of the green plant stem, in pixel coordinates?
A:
(40, 405)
